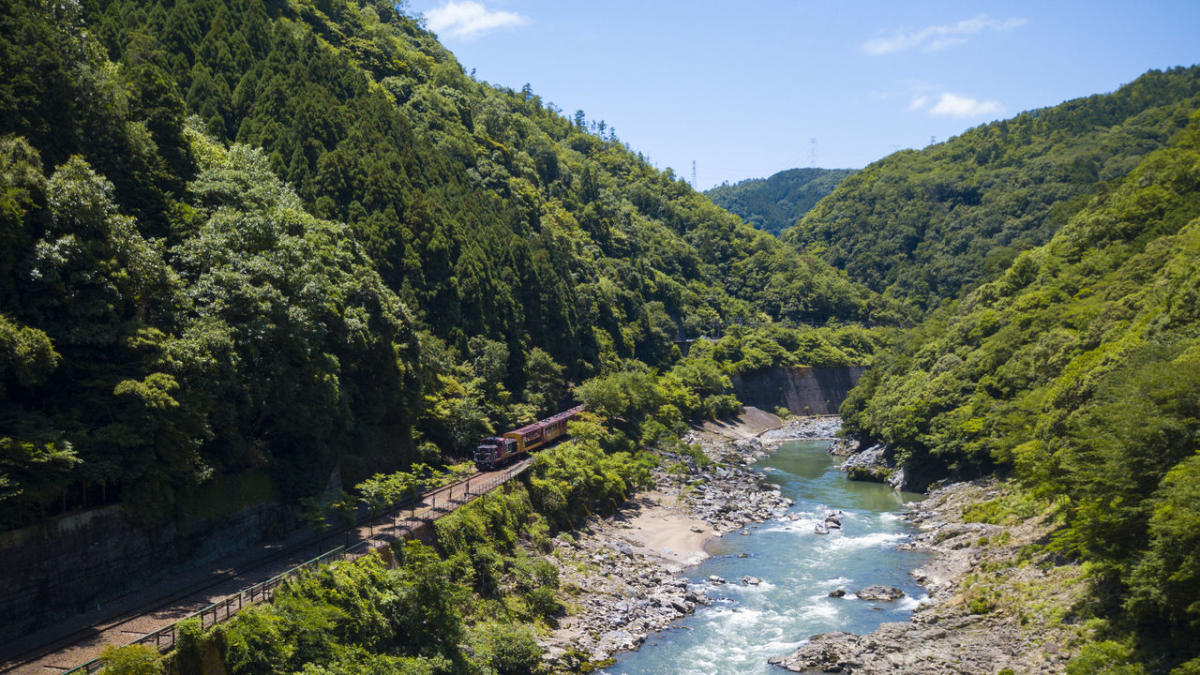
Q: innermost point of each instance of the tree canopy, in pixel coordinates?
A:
(776, 203)
(297, 237)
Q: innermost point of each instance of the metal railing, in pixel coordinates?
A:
(165, 639)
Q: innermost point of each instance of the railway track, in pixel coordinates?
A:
(170, 600)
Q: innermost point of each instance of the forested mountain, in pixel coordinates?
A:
(926, 225)
(774, 204)
(296, 236)
(294, 239)
(1077, 370)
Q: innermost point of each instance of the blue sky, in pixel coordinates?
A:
(742, 88)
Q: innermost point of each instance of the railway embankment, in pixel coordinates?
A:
(218, 590)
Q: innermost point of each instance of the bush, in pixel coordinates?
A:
(505, 648)
(131, 660)
(1108, 657)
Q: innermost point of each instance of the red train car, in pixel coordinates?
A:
(496, 450)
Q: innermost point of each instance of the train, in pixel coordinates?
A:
(495, 451)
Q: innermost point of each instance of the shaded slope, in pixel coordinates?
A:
(776, 203)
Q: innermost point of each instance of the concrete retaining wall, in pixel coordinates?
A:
(76, 562)
(811, 391)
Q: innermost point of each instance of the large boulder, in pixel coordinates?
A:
(869, 465)
(880, 593)
(824, 653)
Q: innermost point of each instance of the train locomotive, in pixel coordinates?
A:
(496, 451)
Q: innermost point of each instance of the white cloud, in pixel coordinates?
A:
(468, 19)
(918, 103)
(944, 43)
(936, 38)
(953, 105)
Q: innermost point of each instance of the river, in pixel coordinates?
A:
(746, 625)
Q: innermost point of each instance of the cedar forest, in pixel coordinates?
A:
(270, 241)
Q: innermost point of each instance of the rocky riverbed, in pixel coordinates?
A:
(804, 428)
(622, 573)
(992, 605)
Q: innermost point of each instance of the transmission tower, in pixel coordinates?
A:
(693, 174)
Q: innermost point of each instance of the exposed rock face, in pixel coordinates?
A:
(893, 648)
(826, 653)
(844, 447)
(804, 391)
(873, 464)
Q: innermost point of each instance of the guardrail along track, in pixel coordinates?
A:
(371, 532)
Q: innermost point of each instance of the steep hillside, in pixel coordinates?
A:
(297, 237)
(927, 225)
(774, 204)
(1078, 371)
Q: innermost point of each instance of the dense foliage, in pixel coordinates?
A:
(1078, 370)
(775, 203)
(295, 237)
(473, 604)
(926, 225)
(295, 240)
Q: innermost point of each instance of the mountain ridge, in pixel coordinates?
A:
(775, 203)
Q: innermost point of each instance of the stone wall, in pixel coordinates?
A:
(80, 561)
(804, 391)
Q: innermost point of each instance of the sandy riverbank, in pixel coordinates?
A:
(659, 526)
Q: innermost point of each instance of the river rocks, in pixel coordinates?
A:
(747, 451)
(620, 598)
(833, 520)
(947, 634)
(880, 593)
(683, 606)
(751, 580)
(837, 593)
(801, 428)
(844, 447)
(620, 593)
(826, 653)
(820, 528)
(871, 464)
(731, 497)
(902, 647)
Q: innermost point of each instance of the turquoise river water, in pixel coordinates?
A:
(746, 625)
